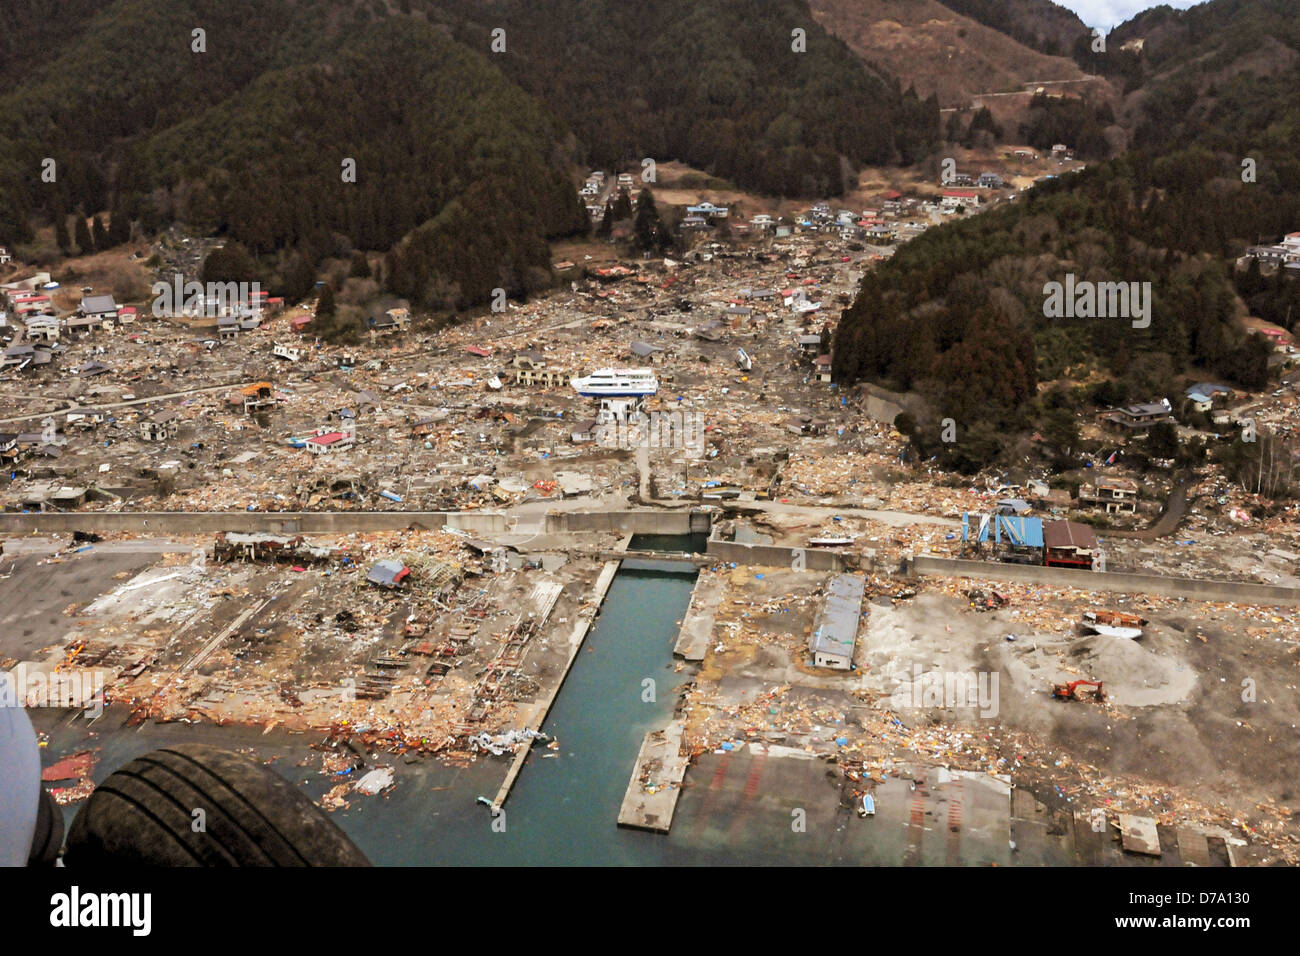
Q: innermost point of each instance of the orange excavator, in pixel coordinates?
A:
(1079, 690)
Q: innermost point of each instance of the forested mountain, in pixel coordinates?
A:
(715, 83)
(959, 313)
(463, 154)
(1039, 24)
(248, 137)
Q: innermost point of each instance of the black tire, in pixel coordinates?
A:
(143, 815)
(48, 838)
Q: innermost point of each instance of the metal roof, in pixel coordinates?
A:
(1069, 534)
(837, 626)
(1016, 531)
(388, 573)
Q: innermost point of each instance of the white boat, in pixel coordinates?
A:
(1107, 630)
(614, 382)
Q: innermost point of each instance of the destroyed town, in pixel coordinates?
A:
(729, 489)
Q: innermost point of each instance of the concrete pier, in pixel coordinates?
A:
(697, 625)
(579, 634)
(656, 781)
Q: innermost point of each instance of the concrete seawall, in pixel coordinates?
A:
(631, 522)
(774, 556)
(1195, 589)
(343, 522)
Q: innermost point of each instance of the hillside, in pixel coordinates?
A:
(464, 156)
(958, 313)
(1222, 74)
(938, 50)
(248, 139)
(713, 83)
(1039, 24)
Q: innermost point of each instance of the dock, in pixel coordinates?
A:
(656, 781)
(576, 637)
(697, 625)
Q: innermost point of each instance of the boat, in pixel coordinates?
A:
(1119, 618)
(615, 382)
(1108, 630)
(1114, 624)
(868, 808)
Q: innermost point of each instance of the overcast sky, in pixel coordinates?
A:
(1111, 13)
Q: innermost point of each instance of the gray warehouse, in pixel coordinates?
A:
(836, 633)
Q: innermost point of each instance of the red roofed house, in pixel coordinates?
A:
(327, 443)
(952, 198)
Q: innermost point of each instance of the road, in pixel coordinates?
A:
(1169, 520)
(135, 401)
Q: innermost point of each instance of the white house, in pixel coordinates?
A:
(707, 208)
(1291, 247)
(965, 198)
(326, 442)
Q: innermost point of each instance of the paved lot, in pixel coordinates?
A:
(34, 595)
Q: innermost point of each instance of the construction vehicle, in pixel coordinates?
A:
(1079, 690)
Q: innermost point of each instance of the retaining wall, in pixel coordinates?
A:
(773, 556)
(252, 522)
(342, 522)
(1196, 589)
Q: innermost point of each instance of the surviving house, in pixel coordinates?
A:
(1014, 539)
(708, 210)
(954, 199)
(42, 328)
(809, 344)
(394, 320)
(1141, 417)
(1068, 544)
(1116, 495)
(99, 308)
(160, 425)
(584, 433)
(326, 442)
(530, 369)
